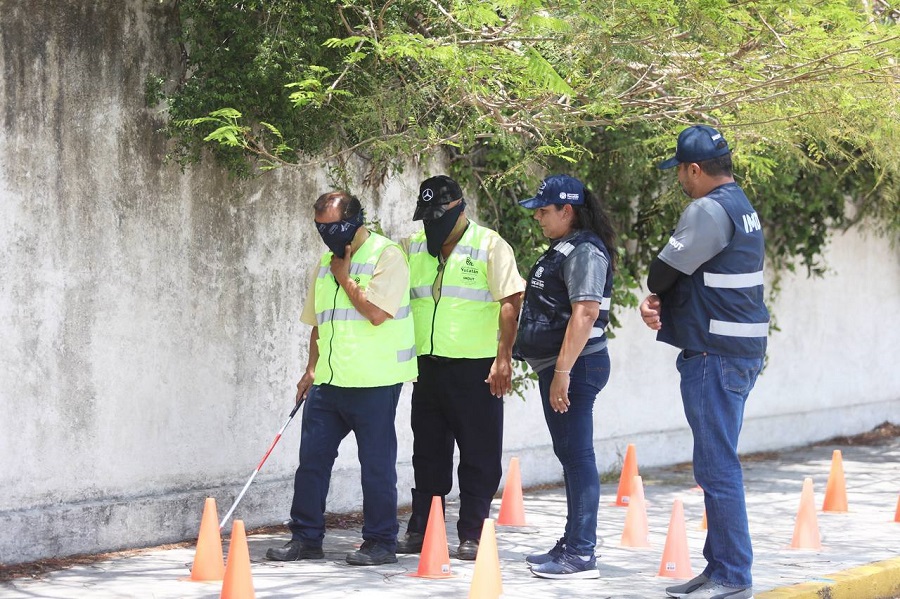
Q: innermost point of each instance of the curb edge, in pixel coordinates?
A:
(878, 580)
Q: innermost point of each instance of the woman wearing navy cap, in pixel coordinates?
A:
(561, 336)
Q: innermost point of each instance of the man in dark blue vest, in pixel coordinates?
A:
(707, 300)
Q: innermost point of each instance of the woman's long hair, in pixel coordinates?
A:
(591, 215)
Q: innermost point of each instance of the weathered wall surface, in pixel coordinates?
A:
(149, 317)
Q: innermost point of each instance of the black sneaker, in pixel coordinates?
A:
(371, 553)
(467, 550)
(568, 565)
(293, 551)
(411, 543)
(542, 558)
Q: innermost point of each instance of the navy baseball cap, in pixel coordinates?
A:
(696, 144)
(434, 195)
(556, 189)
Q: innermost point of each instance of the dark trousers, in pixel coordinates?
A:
(330, 413)
(451, 403)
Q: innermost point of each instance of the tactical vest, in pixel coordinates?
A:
(464, 323)
(352, 351)
(720, 307)
(547, 308)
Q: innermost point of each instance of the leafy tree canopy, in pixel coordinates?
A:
(807, 93)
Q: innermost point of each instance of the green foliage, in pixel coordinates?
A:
(241, 55)
(806, 92)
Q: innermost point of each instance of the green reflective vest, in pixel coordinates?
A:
(464, 322)
(352, 351)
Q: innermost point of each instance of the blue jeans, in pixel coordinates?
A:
(330, 413)
(573, 443)
(714, 390)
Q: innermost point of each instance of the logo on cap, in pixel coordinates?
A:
(427, 195)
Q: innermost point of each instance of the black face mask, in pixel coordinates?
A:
(337, 235)
(437, 230)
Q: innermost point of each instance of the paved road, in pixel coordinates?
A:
(865, 535)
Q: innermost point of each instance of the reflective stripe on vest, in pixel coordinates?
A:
(465, 321)
(738, 281)
(739, 329)
(352, 351)
(353, 314)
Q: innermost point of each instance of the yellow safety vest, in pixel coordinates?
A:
(352, 351)
(464, 323)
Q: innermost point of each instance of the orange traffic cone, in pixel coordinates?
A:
(486, 581)
(512, 509)
(209, 564)
(629, 471)
(676, 560)
(836, 489)
(636, 532)
(806, 530)
(238, 582)
(435, 559)
(897, 514)
(703, 524)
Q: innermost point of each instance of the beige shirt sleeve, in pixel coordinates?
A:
(308, 315)
(502, 272)
(390, 281)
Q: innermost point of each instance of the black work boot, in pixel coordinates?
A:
(415, 529)
(410, 543)
(467, 550)
(294, 550)
(371, 553)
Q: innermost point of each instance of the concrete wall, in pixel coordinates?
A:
(149, 317)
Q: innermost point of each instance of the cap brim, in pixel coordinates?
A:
(532, 203)
(668, 163)
(429, 211)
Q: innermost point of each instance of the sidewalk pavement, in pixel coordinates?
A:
(845, 568)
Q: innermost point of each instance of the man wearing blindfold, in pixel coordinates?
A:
(466, 293)
(361, 351)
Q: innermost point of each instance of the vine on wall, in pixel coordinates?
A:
(806, 92)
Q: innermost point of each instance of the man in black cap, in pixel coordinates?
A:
(707, 300)
(465, 294)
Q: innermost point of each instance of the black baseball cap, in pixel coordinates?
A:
(434, 195)
(696, 144)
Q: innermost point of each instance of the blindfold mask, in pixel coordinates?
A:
(338, 235)
(437, 230)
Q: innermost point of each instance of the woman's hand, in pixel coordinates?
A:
(559, 392)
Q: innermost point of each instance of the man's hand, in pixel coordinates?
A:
(500, 377)
(650, 311)
(303, 386)
(340, 267)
